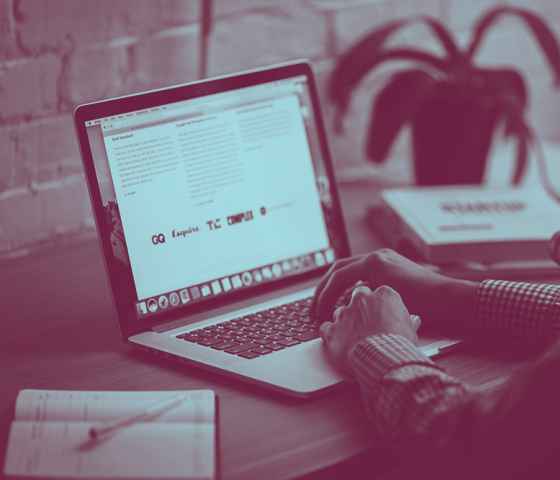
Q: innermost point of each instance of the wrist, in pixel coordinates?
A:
(461, 295)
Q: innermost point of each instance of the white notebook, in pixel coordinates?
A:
(49, 436)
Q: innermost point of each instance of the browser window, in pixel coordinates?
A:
(210, 195)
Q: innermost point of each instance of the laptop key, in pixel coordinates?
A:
(249, 355)
(261, 350)
(304, 337)
(223, 345)
(189, 337)
(207, 342)
(241, 348)
(288, 342)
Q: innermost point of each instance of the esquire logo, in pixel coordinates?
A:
(158, 238)
(184, 233)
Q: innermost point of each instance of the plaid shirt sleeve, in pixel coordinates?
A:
(409, 396)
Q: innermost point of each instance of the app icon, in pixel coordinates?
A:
(267, 273)
(142, 308)
(330, 255)
(174, 299)
(226, 284)
(205, 290)
(184, 294)
(257, 276)
(152, 305)
(276, 270)
(286, 266)
(319, 259)
(247, 278)
(195, 293)
(216, 287)
(307, 261)
(163, 302)
(236, 281)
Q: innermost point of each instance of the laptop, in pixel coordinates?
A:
(217, 212)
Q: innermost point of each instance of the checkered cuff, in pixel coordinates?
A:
(524, 311)
(374, 357)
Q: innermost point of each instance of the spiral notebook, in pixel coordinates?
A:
(49, 437)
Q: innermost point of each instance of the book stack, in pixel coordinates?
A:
(474, 228)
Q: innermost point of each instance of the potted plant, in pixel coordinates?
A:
(452, 105)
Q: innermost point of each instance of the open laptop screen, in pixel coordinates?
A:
(214, 194)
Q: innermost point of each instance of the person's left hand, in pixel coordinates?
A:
(368, 313)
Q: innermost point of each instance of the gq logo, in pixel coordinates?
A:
(158, 238)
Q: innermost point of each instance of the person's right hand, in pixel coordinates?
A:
(436, 298)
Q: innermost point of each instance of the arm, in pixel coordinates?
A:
(519, 310)
(410, 399)
(438, 423)
(407, 393)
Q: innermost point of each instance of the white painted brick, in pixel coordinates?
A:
(58, 23)
(224, 8)
(353, 22)
(38, 151)
(544, 110)
(461, 15)
(95, 73)
(511, 44)
(56, 208)
(8, 45)
(259, 39)
(549, 9)
(29, 86)
(169, 57)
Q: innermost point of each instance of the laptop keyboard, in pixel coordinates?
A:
(260, 333)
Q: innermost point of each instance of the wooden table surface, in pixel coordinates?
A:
(58, 330)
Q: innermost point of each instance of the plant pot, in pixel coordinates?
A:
(451, 136)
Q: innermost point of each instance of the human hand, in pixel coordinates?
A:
(436, 298)
(368, 313)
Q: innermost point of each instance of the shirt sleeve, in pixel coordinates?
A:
(408, 396)
(526, 312)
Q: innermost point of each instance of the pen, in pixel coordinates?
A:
(152, 411)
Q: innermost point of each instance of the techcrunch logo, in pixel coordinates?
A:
(235, 219)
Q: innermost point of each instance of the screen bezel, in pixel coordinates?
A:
(177, 93)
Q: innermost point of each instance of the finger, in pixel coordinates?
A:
(416, 322)
(320, 286)
(360, 289)
(337, 313)
(359, 301)
(325, 330)
(337, 283)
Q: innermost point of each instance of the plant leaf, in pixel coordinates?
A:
(351, 70)
(509, 90)
(443, 35)
(521, 158)
(506, 89)
(395, 105)
(368, 53)
(540, 30)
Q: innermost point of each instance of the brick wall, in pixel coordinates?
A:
(55, 54)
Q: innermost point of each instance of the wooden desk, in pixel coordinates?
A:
(58, 330)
